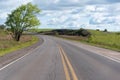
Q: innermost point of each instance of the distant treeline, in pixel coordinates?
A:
(80, 32)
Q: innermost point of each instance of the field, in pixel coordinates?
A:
(109, 40)
(105, 39)
(7, 44)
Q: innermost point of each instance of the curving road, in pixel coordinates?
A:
(58, 59)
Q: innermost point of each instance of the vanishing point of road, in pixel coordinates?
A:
(58, 59)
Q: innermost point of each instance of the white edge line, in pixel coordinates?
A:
(110, 58)
(17, 59)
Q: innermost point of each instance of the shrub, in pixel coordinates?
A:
(2, 26)
(118, 33)
(83, 32)
(97, 30)
(105, 30)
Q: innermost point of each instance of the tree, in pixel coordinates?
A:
(97, 29)
(22, 18)
(2, 26)
(83, 32)
(105, 30)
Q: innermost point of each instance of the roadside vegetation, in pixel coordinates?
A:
(105, 39)
(22, 18)
(80, 32)
(17, 22)
(8, 44)
(110, 40)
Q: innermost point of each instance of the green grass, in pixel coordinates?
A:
(9, 45)
(2, 33)
(109, 40)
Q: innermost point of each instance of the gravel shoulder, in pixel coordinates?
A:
(17, 54)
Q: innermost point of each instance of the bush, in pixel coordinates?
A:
(83, 32)
(97, 30)
(2, 26)
(105, 30)
(118, 33)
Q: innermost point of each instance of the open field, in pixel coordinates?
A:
(7, 44)
(109, 40)
(105, 39)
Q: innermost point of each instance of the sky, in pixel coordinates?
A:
(71, 14)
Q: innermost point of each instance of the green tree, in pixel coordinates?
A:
(2, 26)
(22, 18)
(105, 30)
(83, 32)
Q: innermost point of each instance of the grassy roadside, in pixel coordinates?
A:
(109, 40)
(100, 39)
(7, 46)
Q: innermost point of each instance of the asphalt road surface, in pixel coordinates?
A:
(58, 59)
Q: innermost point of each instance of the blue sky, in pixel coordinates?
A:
(71, 14)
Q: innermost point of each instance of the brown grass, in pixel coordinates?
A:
(6, 41)
(8, 44)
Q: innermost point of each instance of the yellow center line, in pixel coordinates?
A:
(70, 66)
(68, 63)
(65, 67)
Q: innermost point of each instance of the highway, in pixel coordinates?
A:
(59, 59)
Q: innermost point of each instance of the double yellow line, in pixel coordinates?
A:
(67, 66)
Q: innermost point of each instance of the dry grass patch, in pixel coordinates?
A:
(7, 44)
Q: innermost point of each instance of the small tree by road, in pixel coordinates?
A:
(2, 26)
(22, 18)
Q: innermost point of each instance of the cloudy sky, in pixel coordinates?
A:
(71, 14)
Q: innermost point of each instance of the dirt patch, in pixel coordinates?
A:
(25, 38)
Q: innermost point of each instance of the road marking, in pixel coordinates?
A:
(110, 58)
(67, 75)
(17, 59)
(63, 54)
(70, 66)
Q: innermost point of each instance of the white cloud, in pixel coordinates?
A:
(90, 8)
(71, 13)
(3, 15)
(7, 6)
(75, 1)
(11, 4)
(56, 1)
(100, 16)
(104, 14)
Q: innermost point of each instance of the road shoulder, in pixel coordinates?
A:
(6, 59)
(110, 54)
